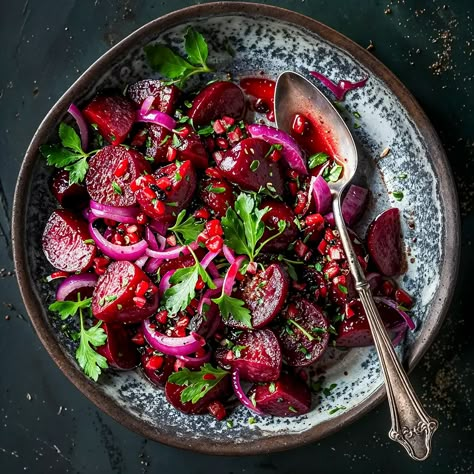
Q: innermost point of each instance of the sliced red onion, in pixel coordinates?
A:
(228, 254)
(140, 262)
(208, 258)
(161, 241)
(159, 227)
(213, 271)
(74, 283)
(329, 218)
(158, 118)
(195, 362)
(173, 252)
(231, 274)
(341, 88)
(153, 264)
(117, 252)
(108, 232)
(213, 321)
(241, 395)
(393, 304)
(147, 105)
(354, 204)
(290, 152)
(171, 345)
(165, 283)
(373, 279)
(399, 337)
(82, 124)
(127, 215)
(151, 239)
(321, 194)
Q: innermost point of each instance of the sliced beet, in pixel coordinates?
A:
(157, 143)
(384, 242)
(220, 391)
(259, 358)
(217, 100)
(118, 349)
(67, 242)
(158, 376)
(71, 196)
(247, 165)
(355, 331)
(114, 116)
(265, 294)
(115, 298)
(288, 396)
(165, 204)
(304, 334)
(102, 183)
(165, 96)
(191, 148)
(218, 195)
(278, 212)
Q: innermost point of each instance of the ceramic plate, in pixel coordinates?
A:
(268, 39)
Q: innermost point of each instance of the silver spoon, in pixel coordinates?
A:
(411, 425)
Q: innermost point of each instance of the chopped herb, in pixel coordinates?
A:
(275, 146)
(187, 230)
(116, 187)
(216, 190)
(119, 307)
(89, 241)
(327, 390)
(303, 330)
(342, 288)
(252, 420)
(336, 409)
(230, 424)
(110, 298)
(149, 158)
(177, 177)
(206, 131)
(271, 188)
(403, 176)
(176, 141)
(398, 195)
(230, 306)
(292, 409)
(166, 139)
(317, 159)
(356, 114)
(334, 174)
(318, 266)
(254, 165)
(188, 104)
(237, 350)
(357, 125)
(272, 387)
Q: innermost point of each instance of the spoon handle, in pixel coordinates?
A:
(412, 427)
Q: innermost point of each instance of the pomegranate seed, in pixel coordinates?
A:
(132, 238)
(171, 154)
(149, 193)
(162, 316)
(233, 137)
(222, 143)
(292, 311)
(202, 237)
(153, 289)
(138, 339)
(142, 288)
(340, 280)
(184, 168)
(271, 114)
(194, 303)
(182, 322)
(200, 284)
(349, 312)
(293, 187)
(155, 362)
(292, 174)
(251, 268)
(335, 253)
(218, 127)
(299, 124)
(218, 336)
(163, 183)
(117, 239)
(215, 243)
(100, 270)
(202, 213)
(228, 121)
(301, 201)
(190, 310)
(322, 247)
(209, 377)
(183, 132)
(201, 352)
(217, 410)
(213, 173)
(160, 207)
(121, 168)
(275, 155)
(323, 291)
(240, 277)
(331, 269)
(135, 185)
(301, 249)
(180, 332)
(179, 364)
(214, 227)
(403, 298)
(329, 235)
(316, 220)
(132, 229)
(139, 301)
(298, 285)
(142, 218)
(388, 288)
(56, 275)
(171, 240)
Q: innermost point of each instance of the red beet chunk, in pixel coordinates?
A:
(217, 100)
(101, 175)
(288, 396)
(115, 299)
(119, 350)
(247, 165)
(64, 242)
(71, 196)
(114, 116)
(173, 395)
(303, 347)
(165, 204)
(156, 366)
(218, 195)
(259, 359)
(355, 331)
(165, 96)
(265, 294)
(279, 212)
(157, 143)
(384, 242)
(192, 149)
(258, 87)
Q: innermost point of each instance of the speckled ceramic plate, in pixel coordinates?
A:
(269, 39)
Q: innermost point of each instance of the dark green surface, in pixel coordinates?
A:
(45, 46)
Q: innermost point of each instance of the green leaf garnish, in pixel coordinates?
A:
(116, 187)
(195, 46)
(187, 230)
(69, 308)
(334, 174)
(230, 306)
(398, 195)
(317, 159)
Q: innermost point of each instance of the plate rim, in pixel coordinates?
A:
(450, 205)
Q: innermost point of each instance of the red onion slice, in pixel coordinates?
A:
(151, 239)
(172, 345)
(393, 304)
(241, 395)
(140, 262)
(354, 203)
(127, 215)
(147, 105)
(165, 283)
(321, 194)
(290, 152)
(82, 124)
(195, 362)
(173, 252)
(158, 118)
(153, 264)
(159, 227)
(117, 252)
(208, 258)
(228, 254)
(213, 271)
(341, 88)
(74, 283)
(231, 274)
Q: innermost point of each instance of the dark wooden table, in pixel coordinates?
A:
(46, 425)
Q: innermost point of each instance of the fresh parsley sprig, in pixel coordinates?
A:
(198, 383)
(186, 231)
(169, 64)
(69, 155)
(230, 306)
(89, 360)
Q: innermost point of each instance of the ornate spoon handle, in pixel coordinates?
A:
(412, 427)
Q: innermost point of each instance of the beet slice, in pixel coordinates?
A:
(191, 148)
(114, 298)
(384, 242)
(173, 395)
(355, 331)
(157, 376)
(114, 116)
(218, 195)
(102, 183)
(64, 242)
(165, 205)
(217, 100)
(259, 358)
(288, 396)
(72, 196)
(278, 212)
(157, 143)
(119, 350)
(303, 347)
(165, 96)
(247, 165)
(265, 294)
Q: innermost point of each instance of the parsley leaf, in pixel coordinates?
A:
(198, 383)
(230, 306)
(69, 138)
(195, 46)
(398, 195)
(333, 174)
(317, 159)
(188, 229)
(69, 308)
